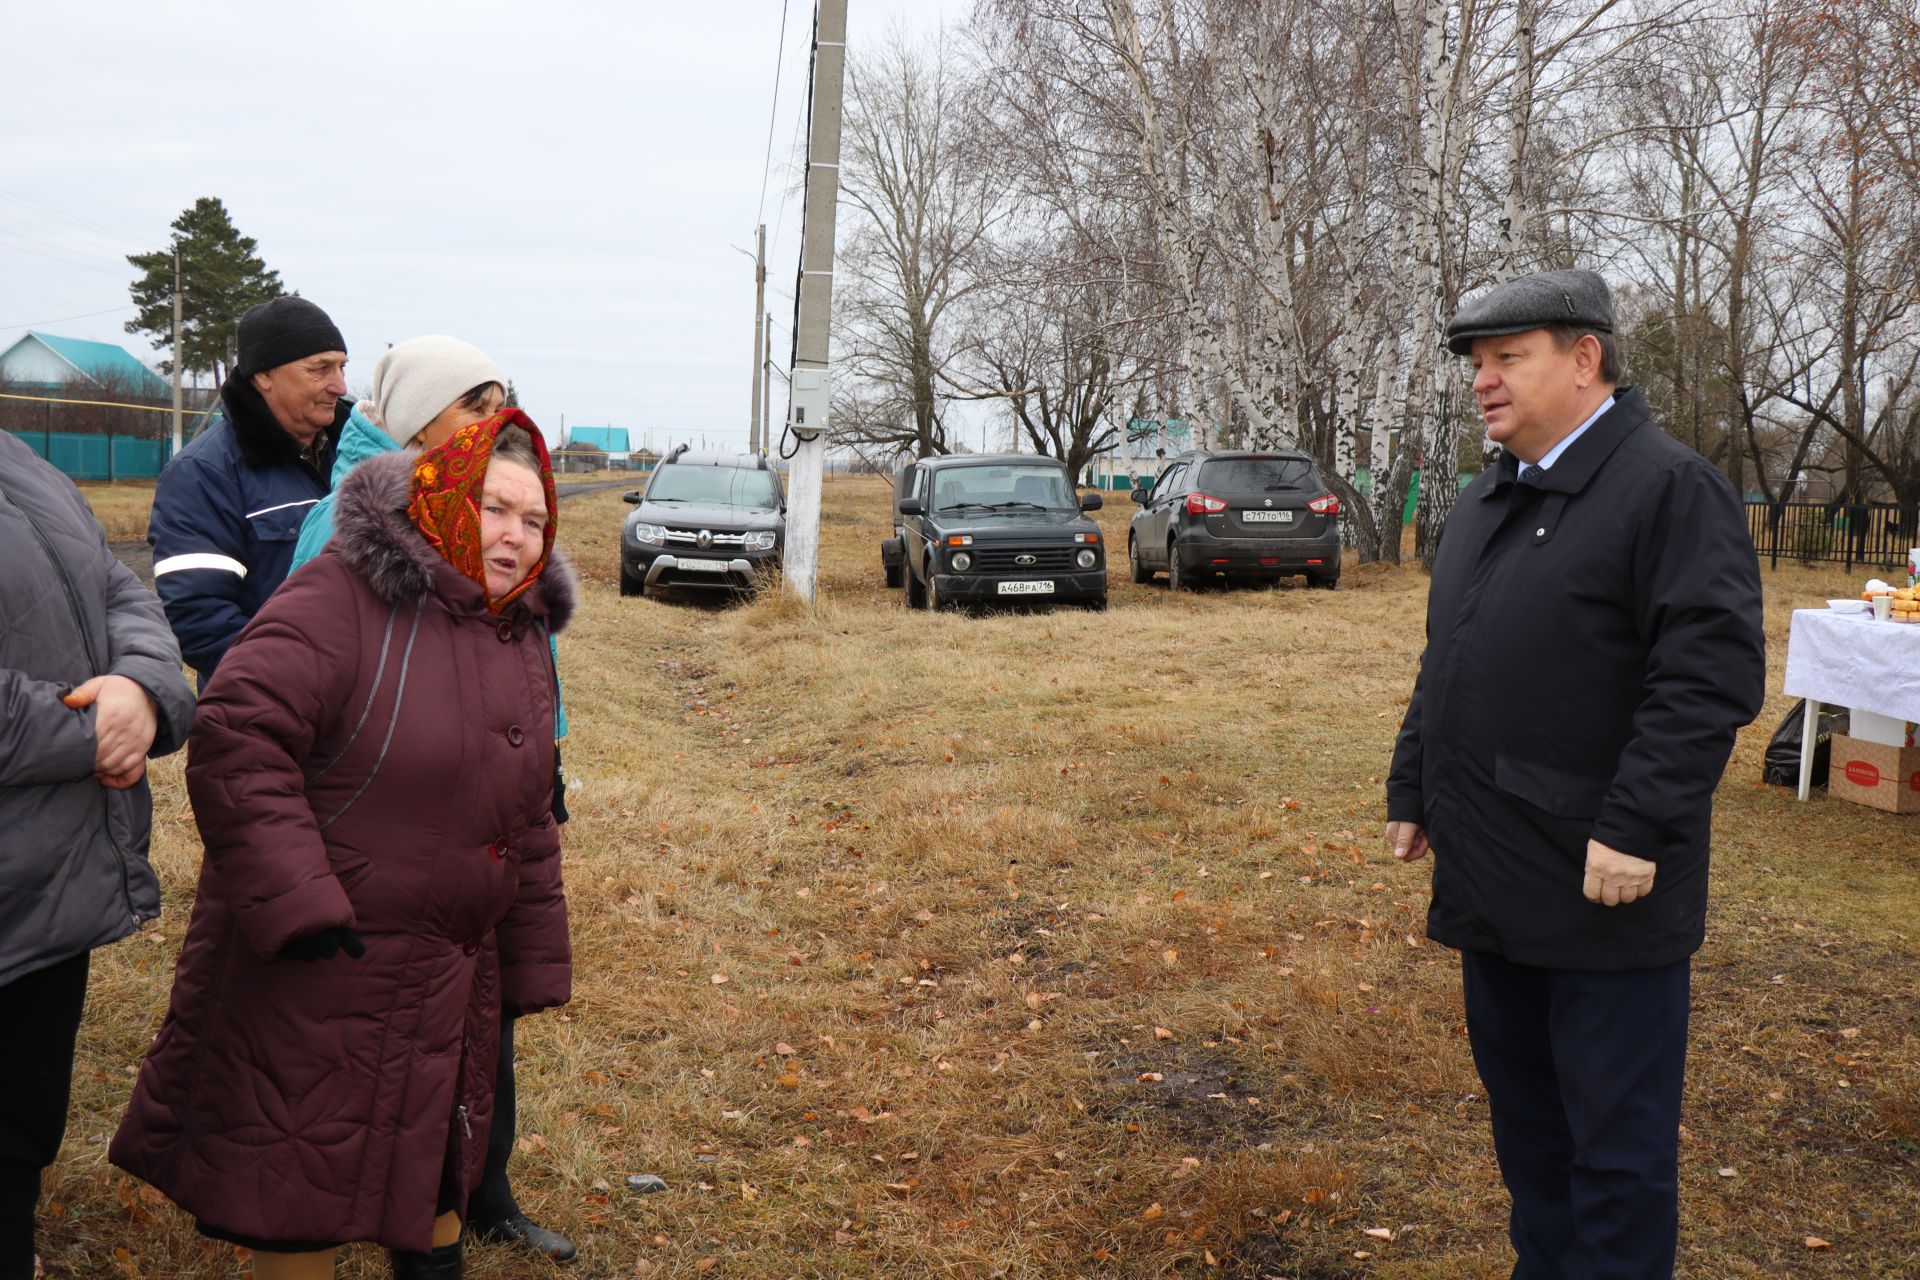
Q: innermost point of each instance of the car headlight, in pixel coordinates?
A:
(1086, 558)
(761, 541)
(650, 533)
(962, 561)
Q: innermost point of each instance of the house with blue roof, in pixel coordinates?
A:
(605, 439)
(47, 361)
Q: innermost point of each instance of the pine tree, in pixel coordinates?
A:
(221, 276)
(513, 397)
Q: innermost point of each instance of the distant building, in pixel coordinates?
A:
(605, 439)
(595, 448)
(44, 361)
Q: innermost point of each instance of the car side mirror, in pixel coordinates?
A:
(1091, 502)
(632, 496)
(1140, 496)
(911, 507)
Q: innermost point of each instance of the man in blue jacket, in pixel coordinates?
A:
(1593, 645)
(228, 509)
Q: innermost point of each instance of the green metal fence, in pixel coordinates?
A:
(110, 456)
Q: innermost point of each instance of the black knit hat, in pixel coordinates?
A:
(283, 330)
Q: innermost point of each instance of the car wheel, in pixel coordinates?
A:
(630, 585)
(1329, 582)
(893, 575)
(1177, 579)
(1098, 604)
(1140, 572)
(932, 596)
(916, 593)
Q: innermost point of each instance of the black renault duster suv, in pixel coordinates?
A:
(993, 529)
(712, 520)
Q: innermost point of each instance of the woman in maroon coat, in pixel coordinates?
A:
(372, 773)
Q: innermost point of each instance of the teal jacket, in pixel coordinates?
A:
(360, 440)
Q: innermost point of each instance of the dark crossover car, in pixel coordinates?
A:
(712, 520)
(993, 529)
(1248, 516)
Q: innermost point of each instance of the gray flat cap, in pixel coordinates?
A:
(1577, 298)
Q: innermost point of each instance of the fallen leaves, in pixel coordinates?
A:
(1816, 1244)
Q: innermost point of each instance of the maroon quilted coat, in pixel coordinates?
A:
(375, 751)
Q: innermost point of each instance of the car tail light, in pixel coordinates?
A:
(1326, 504)
(1199, 504)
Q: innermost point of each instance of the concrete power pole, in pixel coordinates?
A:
(760, 389)
(810, 388)
(176, 354)
(766, 379)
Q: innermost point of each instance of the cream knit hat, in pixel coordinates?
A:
(414, 381)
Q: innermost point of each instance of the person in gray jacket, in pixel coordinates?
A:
(90, 687)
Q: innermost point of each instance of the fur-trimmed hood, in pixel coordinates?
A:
(374, 536)
(261, 438)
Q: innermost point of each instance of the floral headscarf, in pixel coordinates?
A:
(444, 503)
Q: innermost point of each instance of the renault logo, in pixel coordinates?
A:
(1023, 560)
(704, 539)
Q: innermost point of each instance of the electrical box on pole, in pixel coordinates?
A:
(811, 387)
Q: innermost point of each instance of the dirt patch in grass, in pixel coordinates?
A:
(876, 913)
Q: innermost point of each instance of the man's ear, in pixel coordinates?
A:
(261, 381)
(1587, 359)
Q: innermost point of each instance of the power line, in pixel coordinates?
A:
(78, 253)
(70, 217)
(90, 246)
(780, 218)
(773, 113)
(86, 315)
(67, 262)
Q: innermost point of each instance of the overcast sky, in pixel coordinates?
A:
(561, 184)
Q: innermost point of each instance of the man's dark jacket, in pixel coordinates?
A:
(225, 517)
(1593, 645)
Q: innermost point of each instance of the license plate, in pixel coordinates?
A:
(704, 566)
(1266, 517)
(1042, 587)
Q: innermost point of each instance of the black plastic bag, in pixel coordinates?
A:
(1781, 766)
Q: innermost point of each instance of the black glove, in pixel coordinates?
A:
(325, 945)
(559, 789)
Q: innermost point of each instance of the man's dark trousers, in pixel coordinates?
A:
(1583, 1072)
(492, 1200)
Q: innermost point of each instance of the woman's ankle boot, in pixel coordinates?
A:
(442, 1263)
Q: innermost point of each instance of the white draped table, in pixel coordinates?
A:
(1850, 660)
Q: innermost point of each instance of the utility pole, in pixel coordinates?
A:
(809, 390)
(759, 337)
(766, 379)
(176, 355)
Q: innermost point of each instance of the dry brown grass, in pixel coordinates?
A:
(959, 874)
(120, 506)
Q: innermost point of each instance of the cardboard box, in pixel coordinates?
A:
(1872, 773)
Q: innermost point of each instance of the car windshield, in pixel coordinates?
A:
(1255, 475)
(733, 486)
(1040, 486)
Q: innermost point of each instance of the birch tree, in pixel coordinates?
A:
(922, 203)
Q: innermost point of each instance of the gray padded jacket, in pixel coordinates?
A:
(73, 853)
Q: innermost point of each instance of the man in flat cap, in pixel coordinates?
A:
(228, 509)
(1593, 645)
